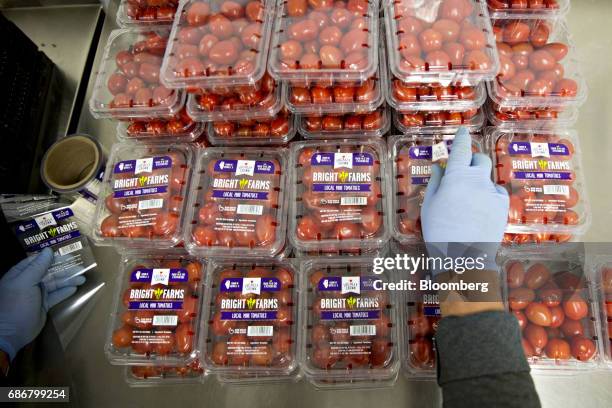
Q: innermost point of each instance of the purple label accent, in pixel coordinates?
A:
(230, 166)
(340, 188)
(29, 226)
(129, 166)
(243, 195)
(522, 148)
(542, 175)
(248, 315)
(145, 275)
(433, 311)
(350, 315)
(135, 192)
(235, 285)
(420, 180)
(53, 241)
(334, 283)
(327, 159)
(155, 305)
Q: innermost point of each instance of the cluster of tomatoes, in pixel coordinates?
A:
(135, 332)
(334, 345)
(403, 92)
(552, 310)
(370, 122)
(191, 370)
(530, 65)
(448, 42)
(499, 5)
(217, 39)
(159, 11)
(339, 94)
(127, 219)
(229, 342)
(524, 114)
(276, 128)
(421, 329)
(436, 118)
(181, 124)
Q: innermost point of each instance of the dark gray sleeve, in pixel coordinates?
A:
(481, 362)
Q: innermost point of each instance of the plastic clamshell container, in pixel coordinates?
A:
(411, 157)
(363, 125)
(548, 283)
(264, 132)
(180, 129)
(156, 310)
(431, 97)
(528, 118)
(543, 173)
(336, 42)
(218, 43)
(127, 83)
(144, 193)
(551, 77)
(419, 54)
(138, 13)
(369, 253)
(438, 121)
(246, 103)
(547, 9)
(601, 270)
(339, 195)
(251, 319)
(348, 329)
(151, 376)
(237, 203)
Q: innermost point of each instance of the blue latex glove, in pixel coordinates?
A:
(25, 301)
(463, 205)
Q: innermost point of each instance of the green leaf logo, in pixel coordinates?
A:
(142, 180)
(52, 231)
(157, 293)
(351, 302)
(250, 303)
(243, 183)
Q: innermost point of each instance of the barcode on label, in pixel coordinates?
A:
(44, 221)
(354, 201)
(363, 330)
(68, 249)
(260, 331)
(556, 189)
(165, 320)
(150, 204)
(249, 209)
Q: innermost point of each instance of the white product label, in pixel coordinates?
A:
(555, 189)
(353, 200)
(363, 330)
(439, 151)
(160, 277)
(165, 320)
(68, 249)
(150, 204)
(44, 221)
(144, 166)
(351, 284)
(251, 285)
(249, 209)
(246, 167)
(260, 331)
(343, 160)
(539, 150)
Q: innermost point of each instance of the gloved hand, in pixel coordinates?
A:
(463, 205)
(25, 301)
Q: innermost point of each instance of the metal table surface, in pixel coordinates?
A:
(100, 384)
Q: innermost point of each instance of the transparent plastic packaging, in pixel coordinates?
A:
(542, 171)
(276, 131)
(218, 43)
(441, 41)
(156, 309)
(513, 9)
(260, 101)
(530, 118)
(348, 329)
(405, 97)
(411, 158)
(179, 129)
(553, 300)
(602, 273)
(538, 66)
(152, 376)
(339, 195)
(364, 125)
(328, 42)
(250, 322)
(361, 252)
(438, 121)
(511, 239)
(237, 203)
(146, 13)
(127, 83)
(144, 190)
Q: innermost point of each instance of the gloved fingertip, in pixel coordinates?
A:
(501, 190)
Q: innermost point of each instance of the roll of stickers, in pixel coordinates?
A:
(74, 165)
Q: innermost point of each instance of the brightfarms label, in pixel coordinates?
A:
(256, 307)
(46, 230)
(163, 293)
(355, 176)
(351, 307)
(141, 183)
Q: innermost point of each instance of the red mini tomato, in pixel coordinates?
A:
(582, 349)
(575, 307)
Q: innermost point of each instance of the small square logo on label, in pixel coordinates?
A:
(246, 167)
(439, 151)
(351, 284)
(251, 285)
(343, 160)
(144, 166)
(160, 277)
(539, 150)
(44, 221)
